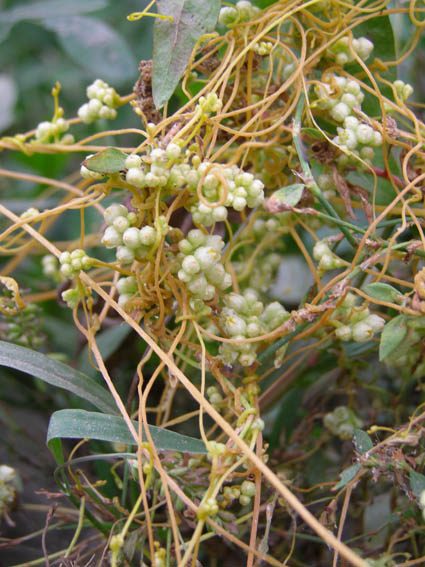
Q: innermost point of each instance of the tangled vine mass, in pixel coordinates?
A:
(295, 154)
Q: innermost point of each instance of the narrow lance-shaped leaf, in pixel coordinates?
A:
(57, 374)
(175, 39)
(81, 424)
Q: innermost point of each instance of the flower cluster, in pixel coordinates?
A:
(48, 131)
(244, 493)
(342, 422)
(22, 327)
(340, 50)
(403, 90)
(339, 96)
(103, 100)
(231, 185)
(264, 271)
(201, 268)
(155, 170)
(73, 262)
(127, 289)
(214, 396)
(9, 486)
(71, 297)
(326, 258)
(358, 136)
(132, 243)
(263, 48)
(243, 11)
(172, 170)
(245, 317)
(355, 323)
(50, 267)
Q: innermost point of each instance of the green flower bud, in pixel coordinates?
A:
(248, 488)
(228, 16)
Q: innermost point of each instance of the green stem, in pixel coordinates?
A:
(308, 176)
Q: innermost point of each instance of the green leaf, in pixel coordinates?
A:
(174, 41)
(382, 292)
(288, 196)
(417, 483)
(109, 161)
(107, 341)
(57, 374)
(347, 475)
(392, 335)
(362, 441)
(45, 9)
(96, 46)
(81, 424)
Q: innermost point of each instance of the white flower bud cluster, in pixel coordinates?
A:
(339, 96)
(355, 323)
(7, 474)
(340, 50)
(207, 508)
(263, 48)
(158, 169)
(201, 268)
(355, 134)
(160, 557)
(245, 317)
(71, 297)
(50, 267)
(247, 492)
(165, 169)
(210, 103)
(48, 131)
(132, 243)
(277, 222)
(264, 271)
(326, 258)
(214, 396)
(242, 188)
(342, 422)
(403, 90)
(9, 484)
(103, 100)
(73, 262)
(243, 11)
(127, 288)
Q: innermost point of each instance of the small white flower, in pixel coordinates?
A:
(147, 235)
(113, 211)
